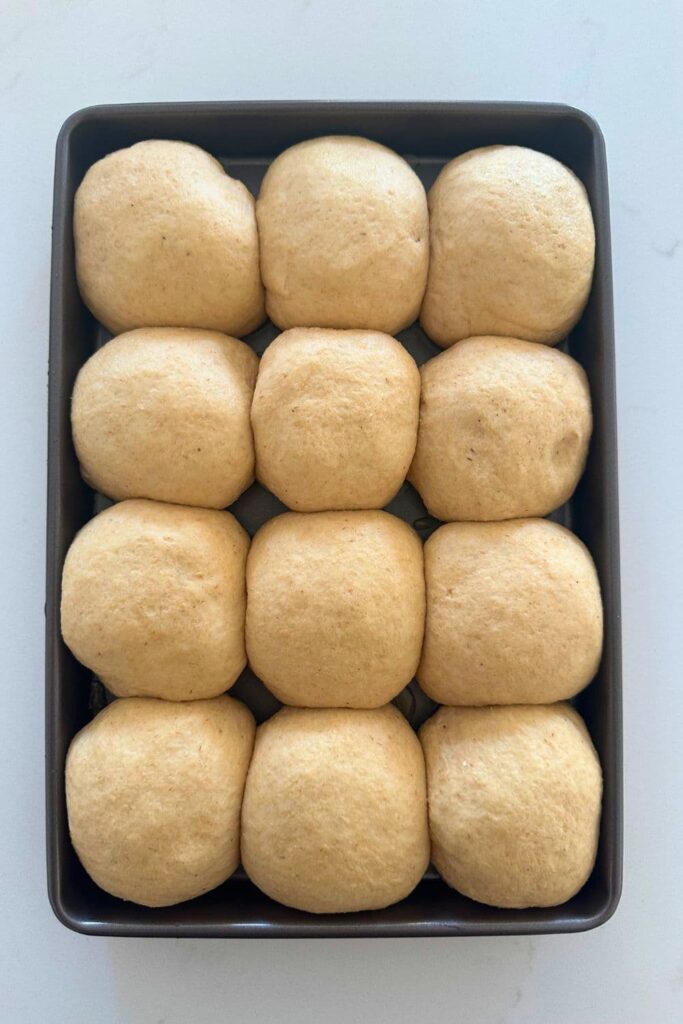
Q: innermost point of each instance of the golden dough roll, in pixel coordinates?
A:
(512, 247)
(334, 817)
(514, 802)
(344, 232)
(164, 237)
(154, 794)
(153, 599)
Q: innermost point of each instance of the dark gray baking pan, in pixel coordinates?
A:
(246, 136)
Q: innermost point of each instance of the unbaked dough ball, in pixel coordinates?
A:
(336, 606)
(514, 614)
(153, 599)
(514, 802)
(344, 232)
(154, 792)
(163, 413)
(334, 817)
(164, 237)
(504, 430)
(512, 247)
(335, 418)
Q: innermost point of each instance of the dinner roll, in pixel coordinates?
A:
(512, 247)
(163, 413)
(504, 430)
(514, 802)
(514, 614)
(344, 232)
(334, 817)
(164, 237)
(336, 606)
(153, 794)
(153, 599)
(335, 418)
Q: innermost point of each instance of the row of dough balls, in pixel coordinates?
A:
(332, 609)
(494, 428)
(336, 810)
(342, 236)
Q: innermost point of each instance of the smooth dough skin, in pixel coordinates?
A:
(153, 599)
(334, 817)
(335, 418)
(335, 607)
(164, 237)
(344, 232)
(514, 614)
(163, 413)
(514, 802)
(154, 793)
(512, 247)
(504, 430)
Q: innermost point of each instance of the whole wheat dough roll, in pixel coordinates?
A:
(334, 817)
(344, 232)
(514, 802)
(153, 599)
(154, 794)
(163, 413)
(335, 607)
(514, 614)
(165, 238)
(512, 247)
(504, 430)
(335, 418)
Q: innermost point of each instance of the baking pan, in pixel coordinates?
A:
(245, 137)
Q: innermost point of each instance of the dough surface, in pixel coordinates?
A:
(334, 817)
(335, 607)
(335, 418)
(165, 238)
(153, 599)
(504, 430)
(514, 614)
(512, 247)
(154, 793)
(514, 802)
(344, 232)
(163, 413)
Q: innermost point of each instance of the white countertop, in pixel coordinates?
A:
(620, 61)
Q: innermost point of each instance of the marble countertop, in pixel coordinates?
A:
(622, 63)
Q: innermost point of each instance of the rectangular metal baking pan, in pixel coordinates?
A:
(246, 136)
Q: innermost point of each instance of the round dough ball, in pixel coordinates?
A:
(512, 247)
(163, 413)
(514, 614)
(336, 607)
(153, 600)
(335, 418)
(165, 237)
(153, 795)
(334, 817)
(344, 231)
(504, 430)
(514, 802)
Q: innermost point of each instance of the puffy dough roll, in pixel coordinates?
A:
(504, 430)
(335, 418)
(165, 237)
(153, 599)
(514, 802)
(334, 817)
(163, 413)
(344, 231)
(154, 793)
(514, 614)
(335, 608)
(512, 247)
